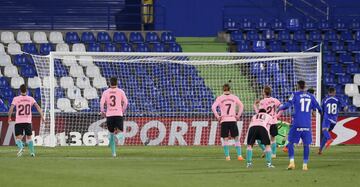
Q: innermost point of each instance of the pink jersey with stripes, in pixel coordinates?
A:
(23, 104)
(115, 101)
(227, 104)
(270, 104)
(261, 119)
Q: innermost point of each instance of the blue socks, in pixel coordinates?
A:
(268, 156)
(291, 150)
(325, 138)
(306, 153)
(262, 146)
(226, 149)
(19, 144)
(31, 146)
(238, 148)
(112, 144)
(273, 148)
(249, 154)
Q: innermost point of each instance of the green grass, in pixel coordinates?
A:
(171, 167)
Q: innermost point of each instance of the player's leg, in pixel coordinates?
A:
(111, 127)
(325, 138)
(293, 137)
(234, 132)
(273, 133)
(330, 140)
(265, 139)
(224, 135)
(19, 136)
(251, 136)
(306, 139)
(262, 146)
(119, 129)
(29, 141)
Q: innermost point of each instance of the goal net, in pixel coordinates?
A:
(170, 94)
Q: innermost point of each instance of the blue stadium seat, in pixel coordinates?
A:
(94, 104)
(275, 46)
(152, 37)
(230, 25)
(329, 80)
(37, 94)
(125, 47)
(174, 47)
(338, 47)
(340, 89)
(309, 25)
(142, 48)
(330, 36)
(7, 94)
(346, 79)
(352, 108)
(324, 25)
(120, 37)
(268, 34)
(103, 37)
(340, 25)
(292, 47)
(59, 92)
(252, 35)
(329, 58)
(3, 107)
(354, 25)
(272, 68)
(354, 47)
(243, 47)
(4, 83)
(315, 36)
(306, 46)
(72, 37)
(136, 37)
(110, 47)
(168, 37)
(236, 36)
(27, 71)
(357, 35)
(20, 60)
(30, 48)
(45, 48)
(299, 36)
(284, 35)
(347, 36)
(158, 47)
(88, 37)
(245, 24)
(293, 24)
(357, 58)
(259, 46)
(257, 68)
(277, 25)
(353, 69)
(94, 47)
(60, 70)
(337, 69)
(346, 58)
(262, 24)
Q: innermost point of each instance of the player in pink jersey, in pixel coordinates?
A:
(259, 130)
(228, 103)
(116, 103)
(271, 105)
(23, 104)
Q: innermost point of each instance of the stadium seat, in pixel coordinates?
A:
(141, 47)
(354, 47)
(16, 82)
(80, 103)
(277, 25)
(331, 36)
(20, 60)
(306, 46)
(88, 37)
(30, 48)
(4, 83)
(2, 49)
(73, 92)
(357, 79)
(27, 71)
(293, 24)
(23, 37)
(65, 82)
(168, 37)
(356, 100)
(34, 82)
(72, 37)
(14, 49)
(64, 104)
(119, 37)
(78, 47)
(292, 47)
(275, 46)
(3, 107)
(340, 25)
(62, 47)
(90, 93)
(315, 36)
(252, 35)
(152, 37)
(86, 61)
(284, 35)
(243, 47)
(351, 89)
(7, 37)
(346, 58)
(174, 47)
(338, 47)
(347, 36)
(99, 82)
(299, 36)
(309, 25)
(339, 89)
(69, 60)
(337, 69)
(11, 71)
(262, 24)
(126, 47)
(136, 37)
(268, 35)
(329, 80)
(324, 25)
(5, 60)
(45, 48)
(346, 79)
(230, 25)
(158, 47)
(40, 37)
(7, 94)
(103, 37)
(354, 24)
(109, 47)
(330, 58)
(259, 46)
(92, 71)
(246, 24)
(94, 47)
(76, 71)
(46, 82)
(83, 82)
(236, 36)
(56, 37)
(353, 69)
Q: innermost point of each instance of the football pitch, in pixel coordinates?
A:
(173, 166)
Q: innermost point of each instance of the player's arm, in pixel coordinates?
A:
(11, 110)
(213, 108)
(38, 108)
(241, 108)
(287, 104)
(125, 101)
(102, 104)
(315, 105)
(278, 113)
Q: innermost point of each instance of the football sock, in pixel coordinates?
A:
(306, 153)
(112, 143)
(226, 148)
(31, 146)
(262, 146)
(249, 153)
(325, 138)
(238, 148)
(268, 155)
(19, 144)
(291, 150)
(273, 148)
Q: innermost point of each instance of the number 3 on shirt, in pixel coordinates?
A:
(305, 104)
(113, 100)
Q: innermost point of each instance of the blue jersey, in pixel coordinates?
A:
(331, 106)
(303, 103)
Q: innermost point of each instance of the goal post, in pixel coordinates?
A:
(170, 94)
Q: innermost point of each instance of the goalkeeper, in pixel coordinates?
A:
(283, 130)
